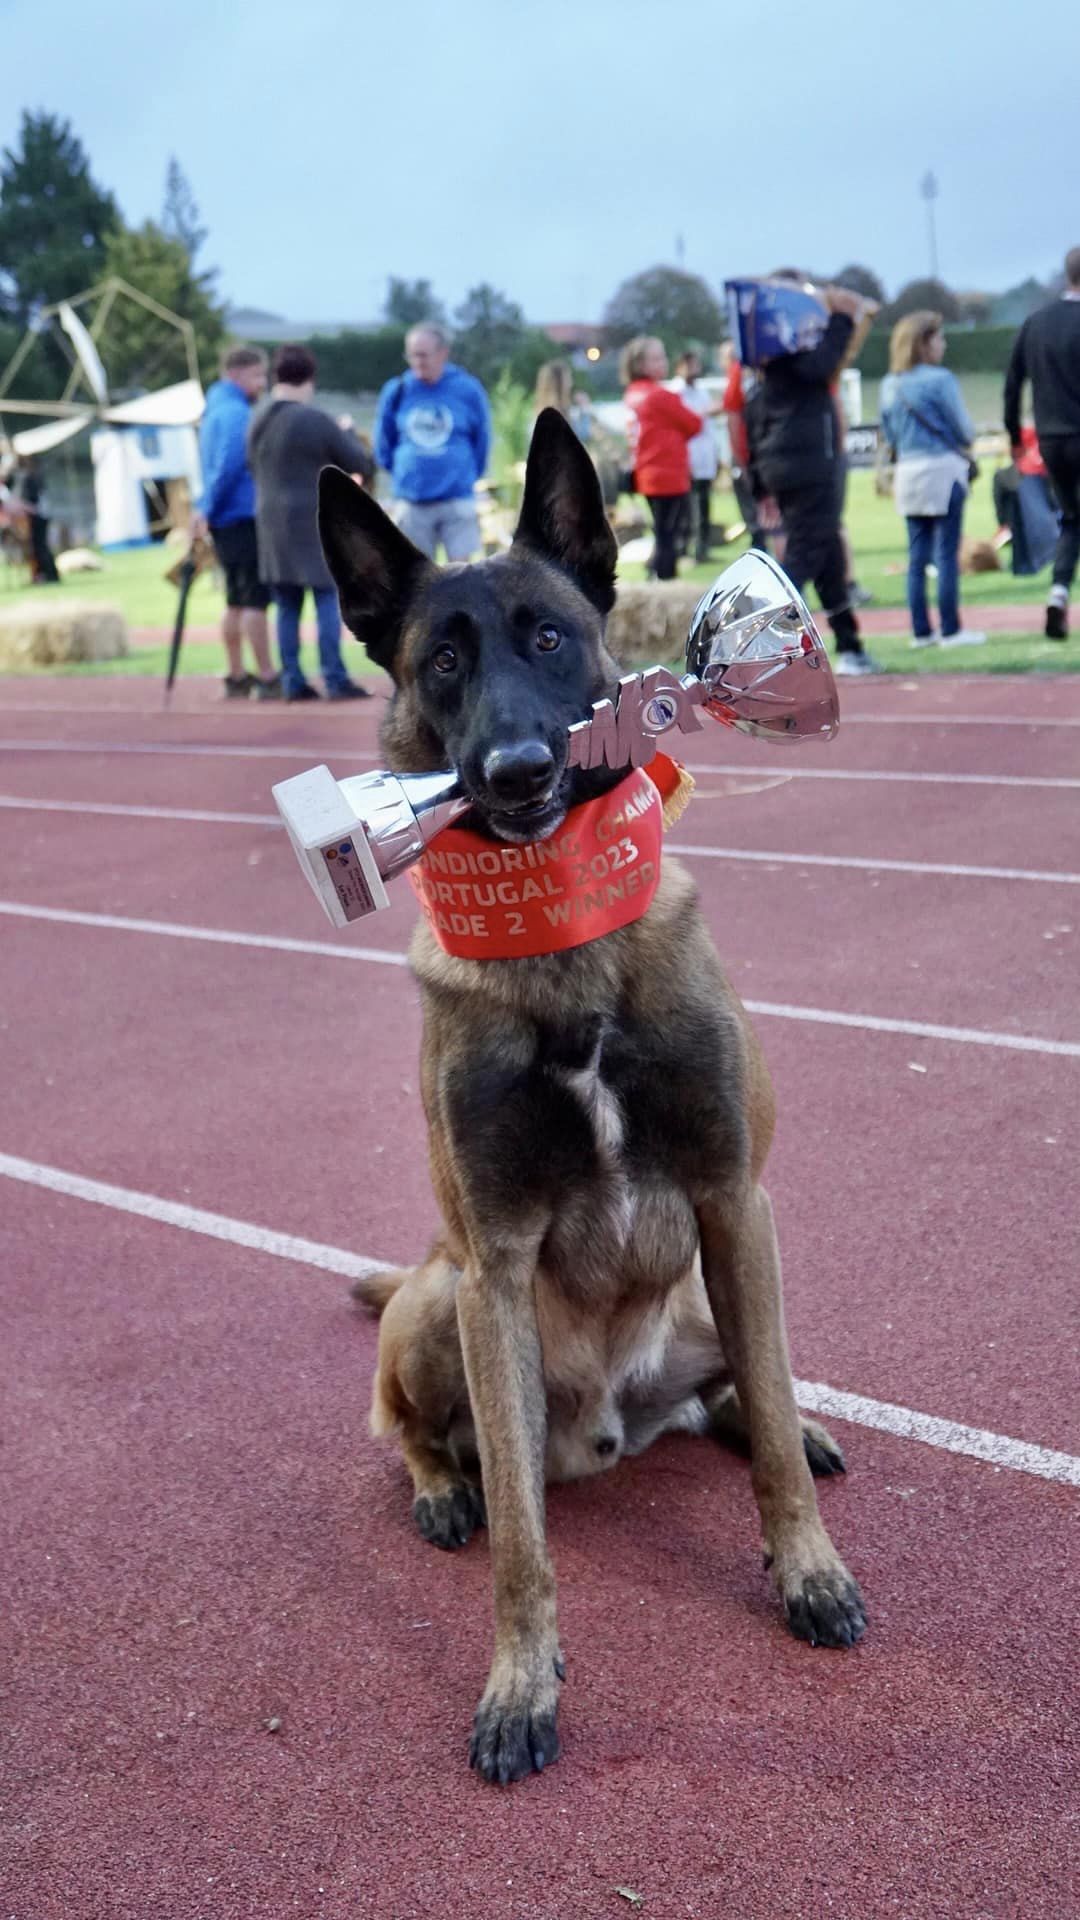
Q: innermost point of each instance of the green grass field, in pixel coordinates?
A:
(134, 581)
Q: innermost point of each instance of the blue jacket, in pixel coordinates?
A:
(228, 489)
(923, 412)
(433, 438)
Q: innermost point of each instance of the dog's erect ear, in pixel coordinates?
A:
(562, 514)
(375, 568)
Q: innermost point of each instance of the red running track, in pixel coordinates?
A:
(199, 1537)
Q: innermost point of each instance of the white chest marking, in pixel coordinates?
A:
(605, 1116)
(602, 1108)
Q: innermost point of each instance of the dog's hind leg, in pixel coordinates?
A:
(741, 1266)
(419, 1391)
(447, 1508)
(728, 1424)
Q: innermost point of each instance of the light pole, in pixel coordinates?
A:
(928, 187)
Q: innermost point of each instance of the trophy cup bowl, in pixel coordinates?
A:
(755, 649)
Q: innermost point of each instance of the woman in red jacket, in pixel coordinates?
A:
(659, 429)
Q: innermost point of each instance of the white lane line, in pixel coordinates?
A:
(310, 754)
(866, 865)
(955, 720)
(220, 936)
(18, 803)
(744, 769)
(772, 1009)
(917, 1029)
(227, 710)
(1022, 1456)
(194, 1219)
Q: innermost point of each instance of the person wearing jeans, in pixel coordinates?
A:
(289, 442)
(926, 424)
(289, 601)
(934, 539)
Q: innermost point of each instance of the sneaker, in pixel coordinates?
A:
(305, 691)
(1057, 622)
(859, 596)
(923, 640)
(348, 690)
(965, 638)
(238, 685)
(269, 689)
(854, 663)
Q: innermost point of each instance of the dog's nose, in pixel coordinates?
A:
(516, 775)
(606, 1444)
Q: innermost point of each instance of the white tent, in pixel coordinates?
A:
(140, 448)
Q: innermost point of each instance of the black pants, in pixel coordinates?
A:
(701, 502)
(1061, 453)
(669, 516)
(44, 564)
(814, 551)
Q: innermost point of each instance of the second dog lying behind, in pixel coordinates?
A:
(611, 1389)
(598, 1116)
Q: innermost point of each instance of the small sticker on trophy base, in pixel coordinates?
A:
(348, 880)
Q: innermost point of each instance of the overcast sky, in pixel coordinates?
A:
(555, 148)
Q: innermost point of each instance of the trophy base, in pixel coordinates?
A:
(331, 845)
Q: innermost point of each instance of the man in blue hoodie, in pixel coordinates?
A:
(432, 434)
(227, 509)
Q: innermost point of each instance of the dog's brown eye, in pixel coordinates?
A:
(548, 638)
(444, 660)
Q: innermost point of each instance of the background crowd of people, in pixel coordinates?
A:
(261, 457)
(785, 450)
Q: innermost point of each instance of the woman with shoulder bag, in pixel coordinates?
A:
(927, 427)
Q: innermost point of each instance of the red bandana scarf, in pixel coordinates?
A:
(485, 900)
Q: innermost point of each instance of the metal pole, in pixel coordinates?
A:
(928, 187)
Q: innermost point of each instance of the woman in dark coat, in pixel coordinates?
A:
(288, 442)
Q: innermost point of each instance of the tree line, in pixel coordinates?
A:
(61, 232)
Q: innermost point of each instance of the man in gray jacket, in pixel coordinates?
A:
(289, 441)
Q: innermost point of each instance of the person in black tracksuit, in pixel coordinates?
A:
(796, 456)
(1047, 352)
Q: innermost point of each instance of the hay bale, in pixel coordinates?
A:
(649, 623)
(79, 560)
(51, 630)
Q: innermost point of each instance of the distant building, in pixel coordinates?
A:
(582, 340)
(253, 323)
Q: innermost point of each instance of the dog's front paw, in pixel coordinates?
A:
(825, 1606)
(514, 1732)
(449, 1520)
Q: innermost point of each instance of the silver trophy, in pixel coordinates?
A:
(755, 662)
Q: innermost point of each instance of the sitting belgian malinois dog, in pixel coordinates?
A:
(598, 1120)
